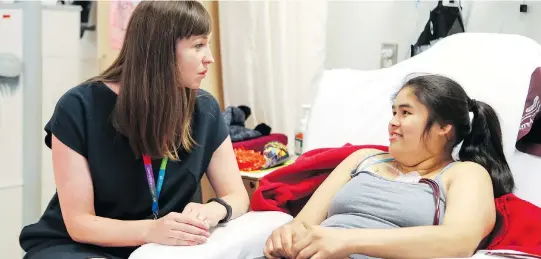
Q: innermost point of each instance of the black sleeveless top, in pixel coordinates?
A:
(82, 121)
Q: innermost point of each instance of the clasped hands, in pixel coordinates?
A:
(191, 227)
(296, 240)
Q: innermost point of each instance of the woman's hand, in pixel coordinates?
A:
(211, 212)
(279, 244)
(177, 230)
(320, 243)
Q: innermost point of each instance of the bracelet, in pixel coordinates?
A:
(227, 209)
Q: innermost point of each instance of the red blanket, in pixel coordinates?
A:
(287, 189)
(520, 226)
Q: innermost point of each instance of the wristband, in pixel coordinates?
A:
(227, 208)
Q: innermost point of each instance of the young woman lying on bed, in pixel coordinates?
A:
(375, 205)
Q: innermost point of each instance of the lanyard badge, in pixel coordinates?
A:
(154, 190)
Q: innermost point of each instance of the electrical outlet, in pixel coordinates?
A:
(523, 8)
(388, 54)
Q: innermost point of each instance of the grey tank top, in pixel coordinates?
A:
(369, 200)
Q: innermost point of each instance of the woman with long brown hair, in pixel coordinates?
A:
(130, 146)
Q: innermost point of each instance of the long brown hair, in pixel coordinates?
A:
(153, 109)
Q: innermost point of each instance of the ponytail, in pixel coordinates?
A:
(483, 145)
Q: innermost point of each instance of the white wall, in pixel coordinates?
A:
(11, 202)
(61, 70)
(356, 29)
(504, 17)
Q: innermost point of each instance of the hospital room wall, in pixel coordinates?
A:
(356, 29)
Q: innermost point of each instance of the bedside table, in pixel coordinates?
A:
(251, 179)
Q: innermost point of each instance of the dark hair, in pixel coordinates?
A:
(448, 103)
(153, 109)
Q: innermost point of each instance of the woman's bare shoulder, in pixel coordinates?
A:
(467, 166)
(364, 152)
(469, 170)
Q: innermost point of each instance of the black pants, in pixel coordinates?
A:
(66, 250)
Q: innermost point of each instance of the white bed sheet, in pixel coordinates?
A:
(243, 237)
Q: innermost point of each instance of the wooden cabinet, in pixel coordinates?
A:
(250, 180)
(251, 185)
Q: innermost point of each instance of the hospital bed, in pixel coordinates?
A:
(354, 107)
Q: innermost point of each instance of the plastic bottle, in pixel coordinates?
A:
(300, 129)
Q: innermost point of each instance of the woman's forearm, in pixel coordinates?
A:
(107, 232)
(412, 242)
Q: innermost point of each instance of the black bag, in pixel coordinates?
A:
(443, 21)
